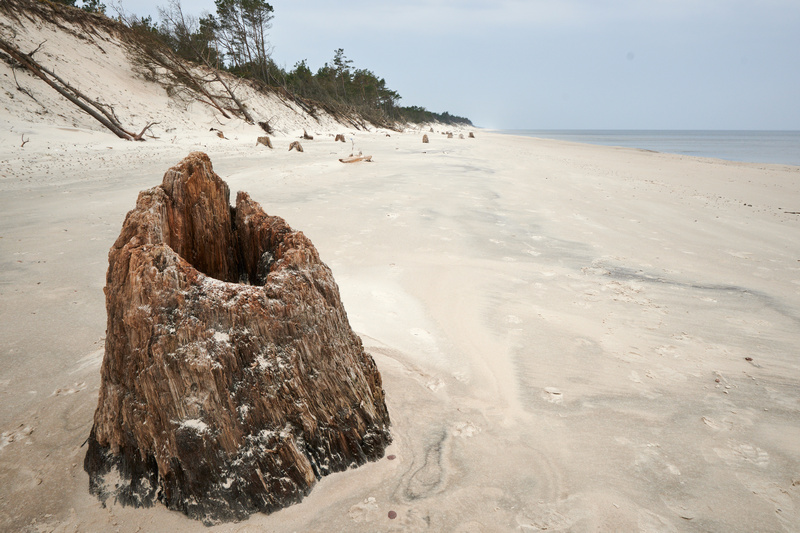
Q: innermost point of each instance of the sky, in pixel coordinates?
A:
(559, 64)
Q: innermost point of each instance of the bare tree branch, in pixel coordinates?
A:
(184, 26)
(37, 48)
(139, 137)
(64, 89)
(23, 90)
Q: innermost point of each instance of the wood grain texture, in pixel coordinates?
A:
(231, 380)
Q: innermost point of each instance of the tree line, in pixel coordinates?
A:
(235, 39)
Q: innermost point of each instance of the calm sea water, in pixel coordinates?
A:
(781, 147)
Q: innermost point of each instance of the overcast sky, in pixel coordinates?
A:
(560, 64)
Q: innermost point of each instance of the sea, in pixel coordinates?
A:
(781, 147)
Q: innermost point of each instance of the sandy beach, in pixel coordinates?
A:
(571, 337)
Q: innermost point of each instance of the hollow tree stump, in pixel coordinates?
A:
(231, 379)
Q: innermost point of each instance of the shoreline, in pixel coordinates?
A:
(587, 310)
(777, 147)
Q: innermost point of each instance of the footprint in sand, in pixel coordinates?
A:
(465, 430)
(77, 387)
(738, 453)
(462, 377)
(435, 384)
(366, 511)
(19, 434)
(552, 395)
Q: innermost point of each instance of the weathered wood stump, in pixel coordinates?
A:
(295, 145)
(425, 139)
(231, 379)
(471, 135)
(265, 141)
(339, 137)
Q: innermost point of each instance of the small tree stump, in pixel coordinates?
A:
(339, 137)
(296, 146)
(424, 139)
(265, 141)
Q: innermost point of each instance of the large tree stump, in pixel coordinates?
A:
(231, 379)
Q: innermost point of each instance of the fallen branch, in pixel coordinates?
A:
(37, 48)
(24, 142)
(356, 159)
(23, 90)
(67, 91)
(139, 137)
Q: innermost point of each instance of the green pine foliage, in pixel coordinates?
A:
(235, 39)
(90, 6)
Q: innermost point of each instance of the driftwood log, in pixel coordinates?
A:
(265, 141)
(356, 158)
(231, 379)
(295, 145)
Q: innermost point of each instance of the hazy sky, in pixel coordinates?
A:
(560, 64)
